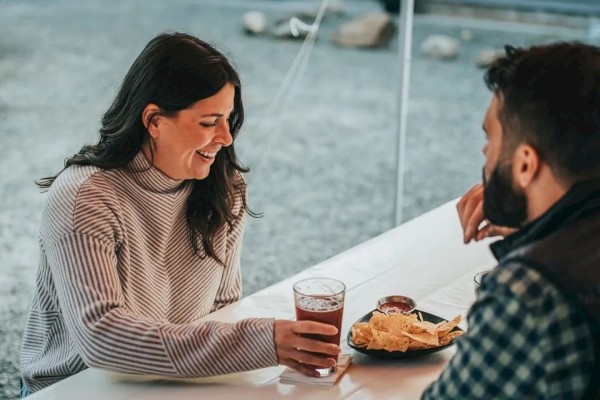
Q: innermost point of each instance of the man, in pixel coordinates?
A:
(534, 331)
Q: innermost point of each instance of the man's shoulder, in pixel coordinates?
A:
(521, 280)
(537, 298)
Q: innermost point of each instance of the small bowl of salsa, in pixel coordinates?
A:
(396, 305)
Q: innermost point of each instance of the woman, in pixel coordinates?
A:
(141, 236)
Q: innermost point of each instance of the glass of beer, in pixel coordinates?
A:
(321, 300)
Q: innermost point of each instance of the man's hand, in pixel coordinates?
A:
(470, 212)
(301, 353)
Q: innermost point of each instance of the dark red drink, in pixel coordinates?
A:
(325, 310)
(321, 300)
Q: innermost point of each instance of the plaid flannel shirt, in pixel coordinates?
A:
(525, 341)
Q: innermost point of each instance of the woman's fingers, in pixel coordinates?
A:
(314, 328)
(299, 340)
(314, 346)
(293, 347)
(303, 369)
(312, 359)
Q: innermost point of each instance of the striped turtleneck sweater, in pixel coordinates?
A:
(119, 287)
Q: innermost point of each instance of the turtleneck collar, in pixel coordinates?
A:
(150, 178)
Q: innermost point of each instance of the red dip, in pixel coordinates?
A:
(395, 307)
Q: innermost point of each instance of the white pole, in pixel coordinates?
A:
(404, 52)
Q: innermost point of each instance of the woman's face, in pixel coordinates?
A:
(185, 145)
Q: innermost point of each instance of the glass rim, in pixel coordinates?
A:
(343, 289)
(477, 278)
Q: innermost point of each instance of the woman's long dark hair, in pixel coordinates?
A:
(174, 71)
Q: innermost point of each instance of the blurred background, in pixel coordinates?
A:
(322, 113)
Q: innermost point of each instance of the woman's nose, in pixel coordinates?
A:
(223, 136)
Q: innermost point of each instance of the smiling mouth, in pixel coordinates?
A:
(206, 154)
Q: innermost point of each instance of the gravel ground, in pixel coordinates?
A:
(324, 163)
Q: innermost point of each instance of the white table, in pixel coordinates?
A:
(424, 259)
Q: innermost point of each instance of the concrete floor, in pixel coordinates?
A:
(324, 164)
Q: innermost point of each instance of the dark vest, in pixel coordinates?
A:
(563, 245)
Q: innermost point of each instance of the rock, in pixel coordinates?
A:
(295, 26)
(255, 22)
(441, 47)
(292, 28)
(371, 30)
(486, 57)
(306, 17)
(466, 35)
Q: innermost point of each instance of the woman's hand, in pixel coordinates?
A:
(470, 212)
(301, 353)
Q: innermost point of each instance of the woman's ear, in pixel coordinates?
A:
(526, 165)
(150, 119)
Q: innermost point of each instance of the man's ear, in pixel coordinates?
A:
(150, 119)
(526, 165)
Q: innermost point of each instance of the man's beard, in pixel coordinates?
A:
(503, 205)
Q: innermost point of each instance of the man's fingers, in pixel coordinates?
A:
(465, 198)
(483, 232)
(468, 204)
(500, 230)
(469, 193)
(490, 230)
(471, 228)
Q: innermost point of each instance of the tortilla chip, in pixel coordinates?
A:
(392, 323)
(425, 338)
(414, 345)
(386, 341)
(401, 332)
(424, 326)
(449, 337)
(361, 334)
(446, 327)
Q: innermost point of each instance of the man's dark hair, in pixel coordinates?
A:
(550, 97)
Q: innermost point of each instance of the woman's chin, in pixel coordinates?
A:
(202, 174)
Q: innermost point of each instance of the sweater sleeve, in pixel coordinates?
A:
(107, 335)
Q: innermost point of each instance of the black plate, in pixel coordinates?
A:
(399, 354)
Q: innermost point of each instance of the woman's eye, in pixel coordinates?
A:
(208, 124)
